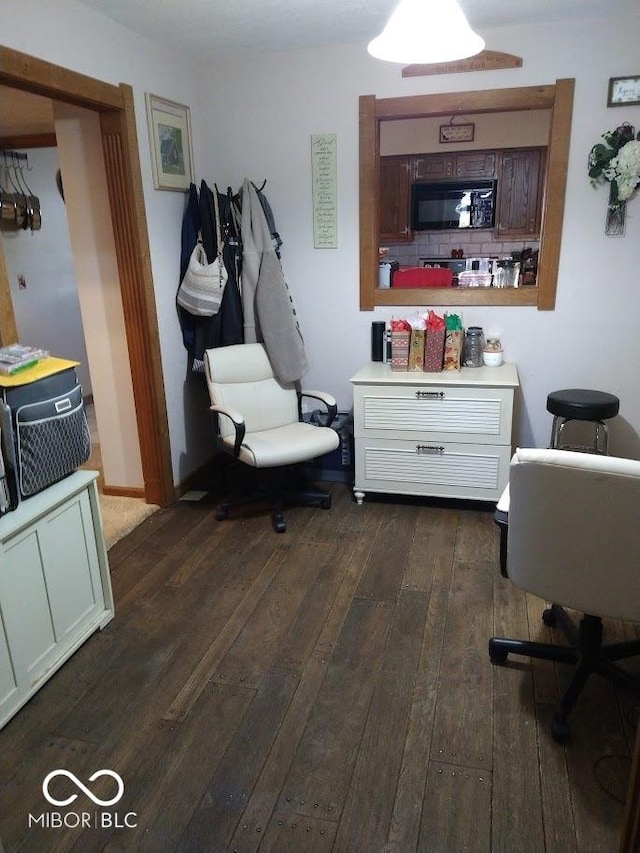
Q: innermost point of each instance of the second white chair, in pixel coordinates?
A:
(570, 535)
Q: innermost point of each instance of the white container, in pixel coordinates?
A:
(475, 277)
(492, 359)
(385, 271)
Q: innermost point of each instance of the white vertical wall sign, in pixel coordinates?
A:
(324, 180)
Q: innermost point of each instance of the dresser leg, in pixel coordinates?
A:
(359, 496)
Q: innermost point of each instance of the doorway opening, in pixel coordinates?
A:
(114, 108)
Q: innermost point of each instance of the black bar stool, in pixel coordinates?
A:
(579, 404)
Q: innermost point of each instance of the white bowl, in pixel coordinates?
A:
(493, 359)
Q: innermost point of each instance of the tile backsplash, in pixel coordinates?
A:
(439, 244)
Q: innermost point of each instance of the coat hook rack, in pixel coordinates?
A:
(17, 155)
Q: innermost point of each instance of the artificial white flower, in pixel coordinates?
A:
(625, 169)
(616, 159)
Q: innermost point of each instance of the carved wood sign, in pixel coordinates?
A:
(486, 60)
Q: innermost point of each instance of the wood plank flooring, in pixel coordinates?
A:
(327, 690)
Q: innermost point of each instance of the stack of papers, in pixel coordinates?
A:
(17, 357)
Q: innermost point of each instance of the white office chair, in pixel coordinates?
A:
(259, 423)
(570, 533)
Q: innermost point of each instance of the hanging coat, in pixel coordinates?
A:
(269, 313)
(225, 327)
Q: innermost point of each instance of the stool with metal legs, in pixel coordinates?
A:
(579, 404)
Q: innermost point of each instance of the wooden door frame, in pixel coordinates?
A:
(114, 105)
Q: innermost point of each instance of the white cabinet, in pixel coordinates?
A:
(55, 588)
(435, 434)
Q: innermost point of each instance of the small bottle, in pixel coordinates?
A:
(473, 347)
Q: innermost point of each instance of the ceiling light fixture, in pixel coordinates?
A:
(424, 31)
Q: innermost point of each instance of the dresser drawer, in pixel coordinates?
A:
(472, 471)
(435, 412)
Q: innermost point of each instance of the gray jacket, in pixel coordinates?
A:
(269, 313)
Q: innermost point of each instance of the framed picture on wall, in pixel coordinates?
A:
(457, 132)
(170, 139)
(623, 91)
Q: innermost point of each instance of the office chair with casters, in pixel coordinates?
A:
(570, 534)
(259, 424)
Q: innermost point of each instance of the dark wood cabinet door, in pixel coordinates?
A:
(433, 167)
(520, 174)
(395, 200)
(476, 164)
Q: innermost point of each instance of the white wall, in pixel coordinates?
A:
(523, 129)
(591, 340)
(47, 310)
(255, 117)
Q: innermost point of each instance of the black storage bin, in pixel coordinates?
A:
(338, 465)
(49, 432)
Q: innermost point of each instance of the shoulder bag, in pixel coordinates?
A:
(202, 288)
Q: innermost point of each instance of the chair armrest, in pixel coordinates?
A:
(327, 399)
(238, 424)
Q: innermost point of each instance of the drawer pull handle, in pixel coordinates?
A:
(422, 449)
(430, 395)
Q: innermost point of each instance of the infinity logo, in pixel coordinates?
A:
(69, 800)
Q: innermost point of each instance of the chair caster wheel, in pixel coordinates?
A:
(325, 503)
(559, 729)
(279, 524)
(549, 618)
(497, 654)
(222, 513)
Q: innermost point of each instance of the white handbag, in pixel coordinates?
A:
(202, 288)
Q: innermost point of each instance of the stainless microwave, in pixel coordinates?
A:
(452, 205)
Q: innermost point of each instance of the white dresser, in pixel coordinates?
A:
(55, 588)
(442, 434)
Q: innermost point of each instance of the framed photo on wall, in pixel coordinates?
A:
(623, 91)
(170, 139)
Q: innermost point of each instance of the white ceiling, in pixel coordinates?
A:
(208, 28)
(212, 27)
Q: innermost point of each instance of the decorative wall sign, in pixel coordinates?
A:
(170, 139)
(486, 60)
(457, 132)
(325, 190)
(623, 91)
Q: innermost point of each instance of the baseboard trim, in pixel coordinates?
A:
(123, 491)
(206, 477)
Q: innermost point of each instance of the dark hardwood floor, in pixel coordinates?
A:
(328, 689)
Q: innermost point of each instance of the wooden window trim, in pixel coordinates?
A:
(558, 98)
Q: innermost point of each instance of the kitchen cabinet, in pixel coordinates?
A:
(55, 589)
(433, 167)
(461, 164)
(442, 434)
(476, 164)
(519, 203)
(519, 173)
(395, 200)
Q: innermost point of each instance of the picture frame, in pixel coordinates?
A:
(171, 143)
(457, 132)
(623, 91)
